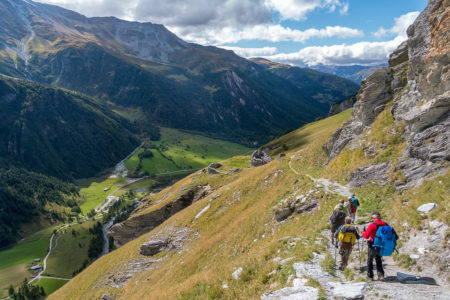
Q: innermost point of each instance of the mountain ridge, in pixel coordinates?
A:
(145, 66)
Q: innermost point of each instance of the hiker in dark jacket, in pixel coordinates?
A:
(369, 235)
(337, 219)
(346, 235)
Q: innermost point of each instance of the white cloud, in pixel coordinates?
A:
(219, 22)
(298, 9)
(344, 9)
(363, 53)
(252, 52)
(271, 33)
(94, 8)
(401, 24)
(203, 12)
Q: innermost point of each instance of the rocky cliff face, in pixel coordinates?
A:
(417, 82)
(143, 221)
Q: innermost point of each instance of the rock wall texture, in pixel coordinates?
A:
(417, 81)
(143, 222)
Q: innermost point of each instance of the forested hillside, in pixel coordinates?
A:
(25, 195)
(59, 133)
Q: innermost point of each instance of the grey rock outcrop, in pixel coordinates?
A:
(142, 222)
(107, 297)
(169, 239)
(368, 174)
(418, 82)
(212, 169)
(375, 92)
(259, 158)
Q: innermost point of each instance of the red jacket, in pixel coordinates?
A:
(371, 230)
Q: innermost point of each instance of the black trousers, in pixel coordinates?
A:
(371, 255)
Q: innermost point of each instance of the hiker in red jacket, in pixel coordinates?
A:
(369, 235)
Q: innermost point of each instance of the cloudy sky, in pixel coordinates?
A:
(300, 32)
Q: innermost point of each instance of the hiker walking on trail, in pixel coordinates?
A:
(337, 219)
(352, 206)
(346, 235)
(381, 241)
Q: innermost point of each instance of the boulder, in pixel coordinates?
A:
(259, 158)
(168, 239)
(348, 291)
(212, 169)
(426, 208)
(107, 297)
(152, 247)
(284, 213)
(216, 165)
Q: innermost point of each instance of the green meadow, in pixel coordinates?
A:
(179, 150)
(50, 285)
(14, 260)
(71, 250)
(92, 191)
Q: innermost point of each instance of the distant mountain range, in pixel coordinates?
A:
(356, 73)
(313, 84)
(145, 72)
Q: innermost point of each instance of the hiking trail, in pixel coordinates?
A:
(354, 286)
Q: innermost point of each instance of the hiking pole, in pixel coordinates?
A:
(359, 250)
(335, 255)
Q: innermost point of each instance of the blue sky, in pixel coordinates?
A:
(299, 32)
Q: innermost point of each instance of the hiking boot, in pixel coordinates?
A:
(380, 277)
(369, 279)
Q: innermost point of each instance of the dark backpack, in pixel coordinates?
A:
(337, 217)
(385, 240)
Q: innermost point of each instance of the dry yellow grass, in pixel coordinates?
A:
(238, 230)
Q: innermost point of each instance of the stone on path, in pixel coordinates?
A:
(348, 291)
(298, 292)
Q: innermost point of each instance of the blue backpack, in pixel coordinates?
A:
(385, 240)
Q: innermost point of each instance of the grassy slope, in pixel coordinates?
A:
(238, 230)
(188, 151)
